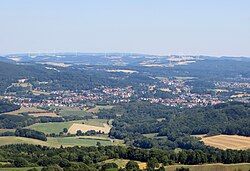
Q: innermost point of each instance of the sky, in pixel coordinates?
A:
(160, 27)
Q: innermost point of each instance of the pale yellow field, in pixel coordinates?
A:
(228, 142)
(84, 128)
(50, 114)
(36, 92)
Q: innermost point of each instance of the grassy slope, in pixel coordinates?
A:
(57, 142)
(7, 130)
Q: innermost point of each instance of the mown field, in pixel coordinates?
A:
(56, 127)
(228, 142)
(212, 167)
(58, 141)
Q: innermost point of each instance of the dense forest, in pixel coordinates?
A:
(15, 121)
(7, 106)
(92, 158)
(69, 78)
(174, 126)
(30, 134)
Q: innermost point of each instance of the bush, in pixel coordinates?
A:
(20, 162)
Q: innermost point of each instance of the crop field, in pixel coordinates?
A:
(96, 109)
(212, 167)
(57, 141)
(56, 127)
(228, 142)
(84, 127)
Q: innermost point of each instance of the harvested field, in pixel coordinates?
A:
(84, 128)
(228, 142)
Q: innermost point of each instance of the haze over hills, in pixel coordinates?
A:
(119, 59)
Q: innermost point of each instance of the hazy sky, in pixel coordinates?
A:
(212, 27)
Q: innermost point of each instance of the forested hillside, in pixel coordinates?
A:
(175, 125)
(7, 107)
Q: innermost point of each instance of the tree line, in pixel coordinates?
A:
(93, 158)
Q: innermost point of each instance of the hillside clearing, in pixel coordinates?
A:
(227, 142)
